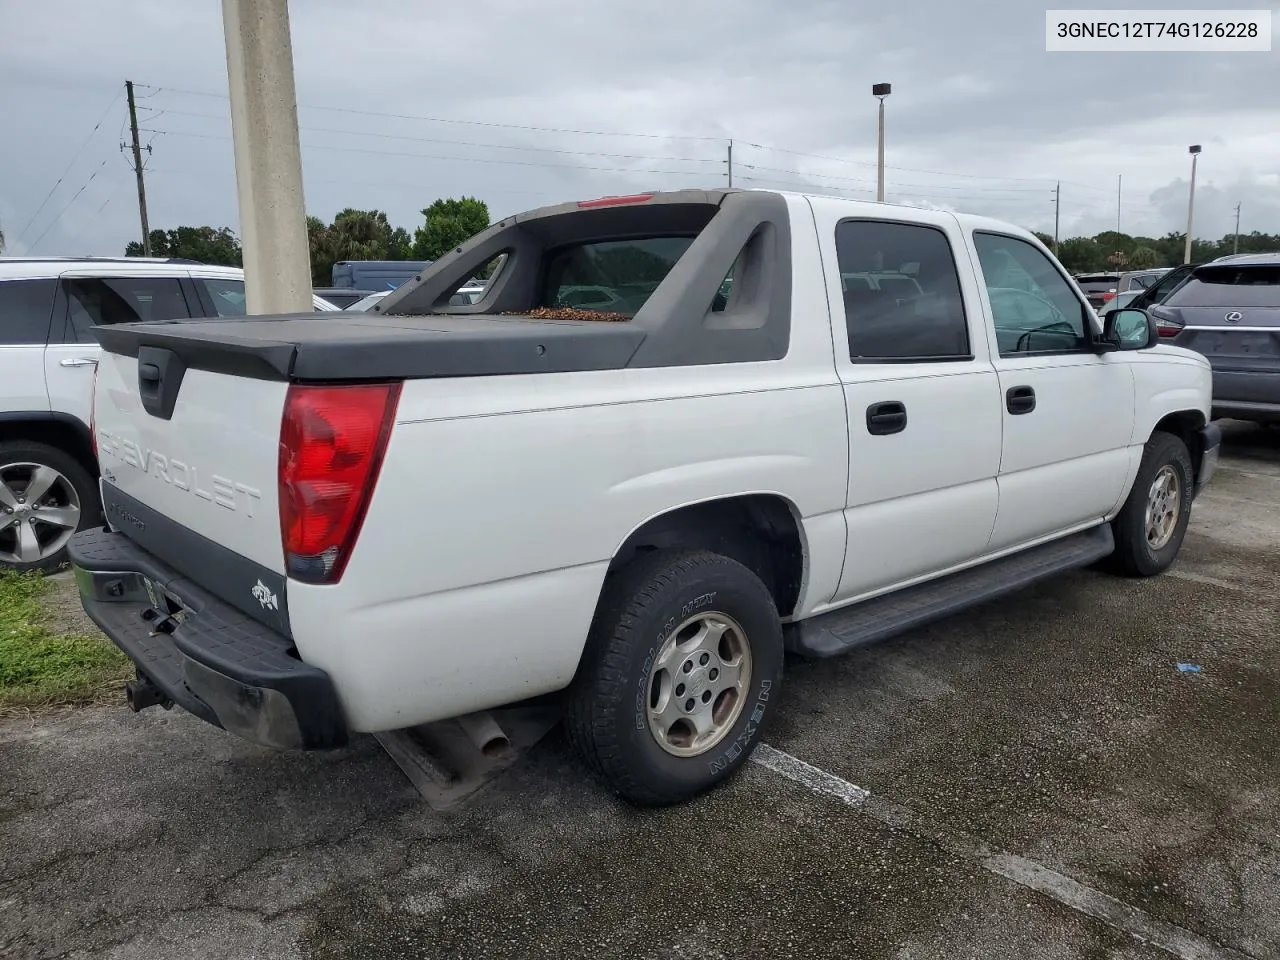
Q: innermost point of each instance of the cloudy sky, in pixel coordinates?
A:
(523, 103)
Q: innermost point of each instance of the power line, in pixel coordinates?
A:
(83, 186)
(776, 182)
(940, 173)
(93, 218)
(897, 183)
(74, 157)
(473, 123)
(461, 143)
(603, 133)
(427, 156)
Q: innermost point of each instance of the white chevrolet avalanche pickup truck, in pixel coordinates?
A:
(784, 423)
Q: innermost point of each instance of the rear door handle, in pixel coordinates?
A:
(78, 362)
(887, 417)
(1018, 400)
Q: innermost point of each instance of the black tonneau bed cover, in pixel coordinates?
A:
(305, 346)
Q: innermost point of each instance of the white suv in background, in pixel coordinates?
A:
(48, 471)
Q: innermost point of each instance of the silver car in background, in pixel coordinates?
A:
(1228, 310)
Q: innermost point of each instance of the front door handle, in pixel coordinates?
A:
(1018, 400)
(78, 362)
(886, 418)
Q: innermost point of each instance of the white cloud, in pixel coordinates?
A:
(981, 118)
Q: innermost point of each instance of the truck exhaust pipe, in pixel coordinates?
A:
(142, 693)
(485, 734)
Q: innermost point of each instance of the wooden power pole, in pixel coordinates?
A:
(137, 170)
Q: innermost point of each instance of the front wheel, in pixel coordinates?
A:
(682, 665)
(1150, 527)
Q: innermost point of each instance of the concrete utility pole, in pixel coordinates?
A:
(1194, 150)
(1235, 246)
(264, 128)
(730, 163)
(137, 170)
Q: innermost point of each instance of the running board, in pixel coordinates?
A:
(834, 633)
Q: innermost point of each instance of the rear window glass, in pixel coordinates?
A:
(610, 276)
(1094, 284)
(25, 306)
(1229, 286)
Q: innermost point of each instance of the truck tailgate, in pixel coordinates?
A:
(210, 466)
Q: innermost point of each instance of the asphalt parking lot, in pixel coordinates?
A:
(1044, 782)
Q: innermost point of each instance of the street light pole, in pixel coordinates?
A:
(880, 90)
(1194, 150)
(264, 132)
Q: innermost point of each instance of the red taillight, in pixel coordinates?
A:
(1168, 328)
(616, 201)
(332, 440)
(93, 413)
(1108, 296)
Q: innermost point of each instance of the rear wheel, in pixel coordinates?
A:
(46, 495)
(682, 664)
(1150, 527)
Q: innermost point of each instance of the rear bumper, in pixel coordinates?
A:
(203, 654)
(1210, 450)
(1246, 394)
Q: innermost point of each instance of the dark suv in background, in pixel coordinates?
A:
(1228, 310)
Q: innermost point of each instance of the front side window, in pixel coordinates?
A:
(1034, 306)
(902, 298)
(611, 276)
(106, 300)
(25, 306)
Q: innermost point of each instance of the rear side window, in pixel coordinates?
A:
(105, 300)
(25, 306)
(227, 295)
(610, 276)
(902, 297)
(1229, 286)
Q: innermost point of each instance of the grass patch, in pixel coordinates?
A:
(41, 668)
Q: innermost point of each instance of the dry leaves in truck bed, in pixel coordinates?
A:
(568, 313)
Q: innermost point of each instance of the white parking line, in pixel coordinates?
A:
(819, 781)
(1209, 581)
(1121, 916)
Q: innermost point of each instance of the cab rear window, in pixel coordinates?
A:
(610, 276)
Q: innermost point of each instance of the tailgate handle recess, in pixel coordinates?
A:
(160, 374)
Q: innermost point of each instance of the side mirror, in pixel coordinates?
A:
(1128, 329)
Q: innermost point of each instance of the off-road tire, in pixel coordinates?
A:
(1134, 556)
(606, 715)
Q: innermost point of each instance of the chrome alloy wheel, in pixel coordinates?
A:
(39, 511)
(1164, 506)
(698, 684)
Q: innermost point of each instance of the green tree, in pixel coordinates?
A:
(353, 235)
(1, 241)
(1081, 255)
(216, 245)
(449, 222)
(1044, 238)
(1144, 258)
